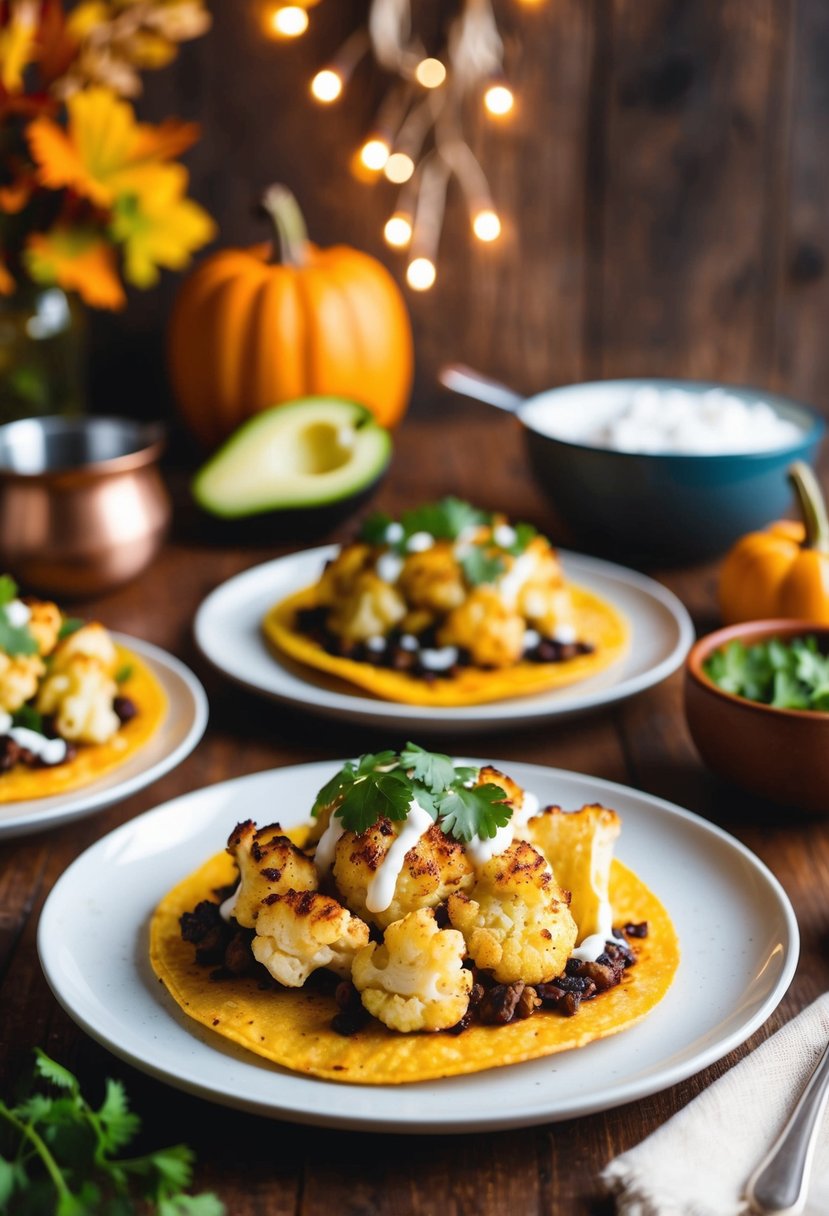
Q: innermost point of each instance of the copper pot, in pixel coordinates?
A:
(82, 504)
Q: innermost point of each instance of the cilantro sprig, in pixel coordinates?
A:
(786, 674)
(482, 561)
(14, 639)
(388, 783)
(59, 1155)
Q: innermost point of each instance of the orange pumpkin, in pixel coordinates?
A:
(249, 332)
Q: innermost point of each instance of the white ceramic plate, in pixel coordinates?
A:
(228, 632)
(739, 950)
(178, 735)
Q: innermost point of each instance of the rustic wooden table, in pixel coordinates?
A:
(259, 1166)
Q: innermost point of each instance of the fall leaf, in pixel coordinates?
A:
(159, 227)
(77, 259)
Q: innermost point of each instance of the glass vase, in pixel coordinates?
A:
(42, 353)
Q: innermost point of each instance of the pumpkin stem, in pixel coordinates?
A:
(289, 225)
(812, 506)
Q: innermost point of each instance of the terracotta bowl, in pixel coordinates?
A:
(779, 754)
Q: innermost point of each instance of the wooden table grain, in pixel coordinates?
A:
(267, 1168)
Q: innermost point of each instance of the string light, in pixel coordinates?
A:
(486, 225)
(399, 168)
(289, 21)
(431, 73)
(421, 274)
(499, 100)
(398, 230)
(375, 153)
(327, 86)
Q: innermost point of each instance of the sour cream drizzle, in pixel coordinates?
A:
(50, 751)
(593, 945)
(324, 856)
(381, 888)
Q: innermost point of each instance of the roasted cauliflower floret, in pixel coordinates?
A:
(269, 863)
(79, 694)
(433, 580)
(416, 979)
(90, 641)
(44, 624)
(19, 678)
(298, 932)
(515, 920)
(579, 847)
(361, 604)
(432, 869)
(492, 632)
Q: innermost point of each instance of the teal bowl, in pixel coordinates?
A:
(661, 509)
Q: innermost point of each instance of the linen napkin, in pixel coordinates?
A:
(698, 1163)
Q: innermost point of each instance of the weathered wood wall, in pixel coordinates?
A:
(664, 184)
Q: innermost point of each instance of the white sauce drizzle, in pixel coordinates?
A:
(504, 536)
(419, 542)
(324, 856)
(18, 614)
(388, 567)
(409, 642)
(228, 908)
(481, 851)
(439, 660)
(380, 890)
(511, 583)
(565, 634)
(593, 945)
(376, 644)
(393, 533)
(531, 639)
(50, 751)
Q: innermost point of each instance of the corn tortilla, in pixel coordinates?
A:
(598, 623)
(94, 759)
(293, 1028)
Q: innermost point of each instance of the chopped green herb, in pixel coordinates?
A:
(786, 674)
(15, 639)
(70, 625)
(444, 520)
(58, 1155)
(524, 533)
(124, 673)
(373, 530)
(8, 589)
(29, 718)
(387, 784)
(481, 565)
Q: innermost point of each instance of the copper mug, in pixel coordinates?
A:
(83, 507)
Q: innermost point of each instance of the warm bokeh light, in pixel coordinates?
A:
(421, 274)
(399, 168)
(398, 230)
(289, 21)
(486, 225)
(499, 100)
(374, 154)
(327, 85)
(431, 73)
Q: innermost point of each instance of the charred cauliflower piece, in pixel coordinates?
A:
(79, 694)
(298, 932)
(432, 869)
(543, 596)
(19, 678)
(44, 624)
(416, 979)
(483, 624)
(362, 605)
(515, 920)
(269, 863)
(433, 580)
(90, 641)
(579, 847)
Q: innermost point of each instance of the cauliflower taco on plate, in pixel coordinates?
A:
(448, 606)
(433, 920)
(73, 703)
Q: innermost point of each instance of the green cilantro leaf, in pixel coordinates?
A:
(524, 533)
(445, 520)
(480, 811)
(70, 625)
(370, 762)
(55, 1073)
(435, 770)
(15, 639)
(124, 673)
(29, 718)
(373, 796)
(373, 529)
(332, 789)
(788, 674)
(117, 1122)
(8, 589)
(482, 566)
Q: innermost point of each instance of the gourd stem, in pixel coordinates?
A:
(812, 506)
(289, 224)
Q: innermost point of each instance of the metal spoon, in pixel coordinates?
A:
(779, 1184)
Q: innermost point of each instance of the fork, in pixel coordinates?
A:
(779, 1185)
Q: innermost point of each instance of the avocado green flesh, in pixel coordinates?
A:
(309, 453)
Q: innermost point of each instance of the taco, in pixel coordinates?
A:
(418, 929)
(448, 606)
(73, 704)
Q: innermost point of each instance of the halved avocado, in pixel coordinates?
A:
(309, 453)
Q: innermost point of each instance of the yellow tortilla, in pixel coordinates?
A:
(93, 760)
(293, 1028)
(598, 623)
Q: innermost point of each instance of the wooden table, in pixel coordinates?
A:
(260, 1166)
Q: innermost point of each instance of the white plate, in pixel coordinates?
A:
(178, 735)
(228, 632)
(739, 950)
